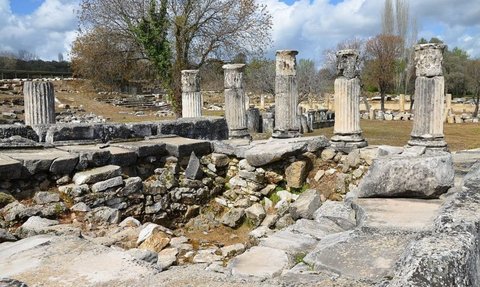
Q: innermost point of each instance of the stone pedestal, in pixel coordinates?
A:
(429, 98)
(286, 96)
(191, 95)
(39, 103)
(347, 132)
(235, 101)
(253, 120)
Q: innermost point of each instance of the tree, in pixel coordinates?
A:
(455, 63)
(383, 53)
(473, 81)
(308, 80)
(197, 30)
(260, 76)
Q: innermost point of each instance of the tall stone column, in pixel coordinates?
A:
(448, 106)
(347, 132)
(287, 123)
(429, 97)
(191, 95)
(39, 103)
(235, 101)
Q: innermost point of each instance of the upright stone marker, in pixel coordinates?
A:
(401, 102)
(448, 106)
(347, 132)
(39, 103)
(191, 95)
(287, 123)
(429, 97)
(235, 100)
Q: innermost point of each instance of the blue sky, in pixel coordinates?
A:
(48, 27)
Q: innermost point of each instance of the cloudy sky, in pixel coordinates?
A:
(48, 27)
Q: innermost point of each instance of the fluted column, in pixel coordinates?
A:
(287, 123)
(429, 97)
(402, 103)
(235, 101)
(347, 131)
(39, 103)
(191, 95)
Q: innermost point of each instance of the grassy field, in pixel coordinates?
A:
(397, 133)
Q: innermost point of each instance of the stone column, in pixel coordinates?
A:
(347, 132)
(287, 123)
(191, 95)
(402, 103)
(235, 101)
(253, 120)
(262, 102)
(429, 97)
(39, 103)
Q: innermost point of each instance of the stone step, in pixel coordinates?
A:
(144, 148)
(397, 214)
(359, 256)
(97, 174)
(183, 147)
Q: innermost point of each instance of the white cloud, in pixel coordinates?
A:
(47, 31)
(313, 26)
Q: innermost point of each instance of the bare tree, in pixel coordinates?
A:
(473, 82)
(199, 29)
(383, 52)
(260, 76)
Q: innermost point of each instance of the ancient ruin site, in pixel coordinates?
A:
(179, 144)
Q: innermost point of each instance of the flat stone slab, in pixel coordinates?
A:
(290, 242)
(9, 168)
(46, 260)
(398, 214)
(36, 160)
(263, 262)
(316, 229)
(183, 147)
(121, 156)
(97, 174)
(144, 148)
(359, 256)
(89, 155)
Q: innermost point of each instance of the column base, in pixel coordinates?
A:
(346, 143)
(239, 134)
(282, 134)
(430, 143)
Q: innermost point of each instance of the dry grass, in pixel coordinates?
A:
(397, 133)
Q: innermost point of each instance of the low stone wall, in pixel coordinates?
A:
(209, 128)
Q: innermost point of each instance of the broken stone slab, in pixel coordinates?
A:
(144, 148)
(167, 257)
(6, 236)
(182, 147)
(277, 149)
(64, 165)
(106, 184)
(338, 212)
(259, 261)
(425, 176)
(9, 168)
(255, 214)
(316, 229)
(305, 205)
(234, 147)
(44, 197)
(220, 160)
(35, 225)
(7, 131)
(96, 174)
(397, 214)
(386, 150)
(472, 179)
(290, 242)
(207, 256)
(359, 256)
(296, 173)
(103, 214)
(232, 250)
(204, 128)
(144, 255)
(234, 217)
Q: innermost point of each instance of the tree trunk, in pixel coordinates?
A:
(382, 101)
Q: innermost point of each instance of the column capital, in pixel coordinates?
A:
(190, 81)
(429, 59)
(286, 62)
(347, 63)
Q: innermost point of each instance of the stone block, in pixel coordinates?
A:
(64, 164)
(305, 205)
(106, 184)
(263, 262)
(425, 176)
(182, 147)
(96, 174)
(144, 148)
(27, 132)
(9, 168)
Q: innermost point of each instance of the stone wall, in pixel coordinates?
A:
(210, 128)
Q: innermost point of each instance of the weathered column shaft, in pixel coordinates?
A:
(429, 97)
(39, 100)
(191, 95)
(347, 106)
(448, 106)
(428, 120)
(286, 96)
(235, 101)
(347, 132)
